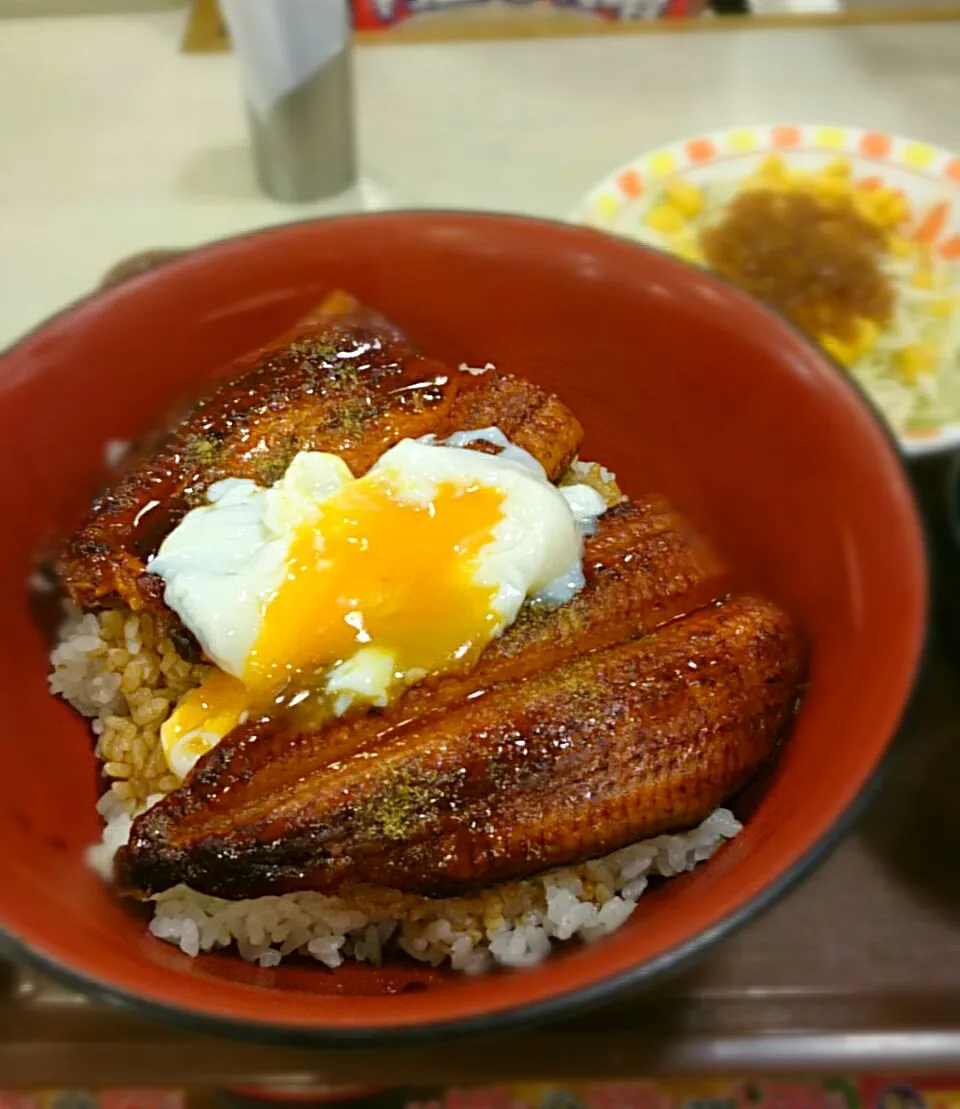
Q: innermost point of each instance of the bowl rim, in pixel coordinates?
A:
(581, 998)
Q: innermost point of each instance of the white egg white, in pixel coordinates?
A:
(226, 560)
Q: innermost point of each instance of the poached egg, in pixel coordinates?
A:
(328, 591)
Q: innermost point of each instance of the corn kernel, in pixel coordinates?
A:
(840, 351)
(890, 207)
(900, 210)
(943, 309)
(847, 352)
(924, 279)
(899, 247)
(773, 168)
(686, 198)
(839, 168)
(689, 251)
(830, 188)
(869, 205)
(914, 360)
(665, 218)
(867, 335)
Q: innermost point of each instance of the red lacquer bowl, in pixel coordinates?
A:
(684, 385)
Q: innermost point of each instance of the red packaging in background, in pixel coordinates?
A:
(454, 20)
(377, 15)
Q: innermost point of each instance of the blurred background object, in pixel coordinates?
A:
(439, 21)
(295, 69)
(83, 7)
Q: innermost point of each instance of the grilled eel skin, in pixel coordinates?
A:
(346, 381)
(608, 748)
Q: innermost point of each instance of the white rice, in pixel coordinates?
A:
(514, 924)
(118, 669)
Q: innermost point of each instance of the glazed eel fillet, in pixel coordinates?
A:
(610, 747)
(635, 708)
(345, 380)
(584, 727)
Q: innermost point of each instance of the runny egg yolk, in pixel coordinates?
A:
(202, 717)
(380, 570)
(378, 592)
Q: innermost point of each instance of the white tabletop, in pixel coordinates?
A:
(112, 141)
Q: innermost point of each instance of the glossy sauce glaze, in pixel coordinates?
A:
(351, 391)
(348, 388)
(611, 747)
(644, 567)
